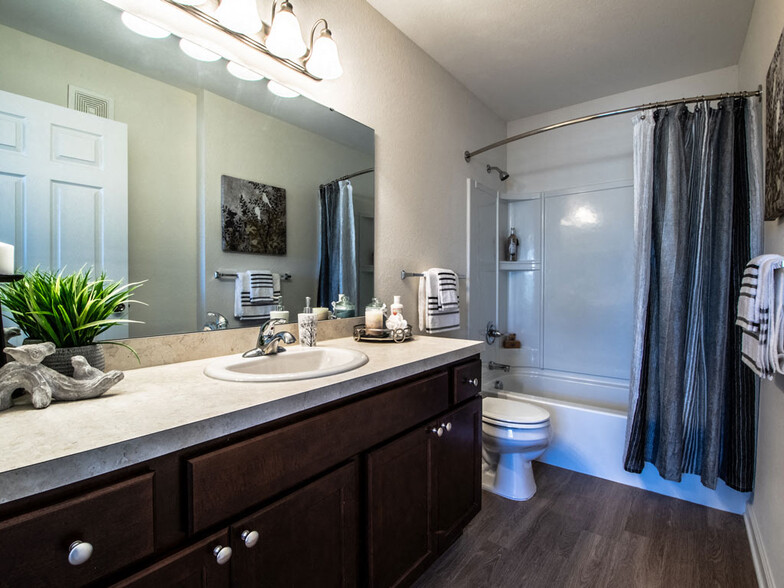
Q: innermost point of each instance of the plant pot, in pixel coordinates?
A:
(60, 360)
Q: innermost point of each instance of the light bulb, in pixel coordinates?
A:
(242, 72)
(285, 36)
(241, 16)
(191, 49)
(281, 90)
(142, 27)
(324, 61)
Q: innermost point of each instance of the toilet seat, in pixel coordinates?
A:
(513, 414)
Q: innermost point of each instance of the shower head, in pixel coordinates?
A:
(501, 173)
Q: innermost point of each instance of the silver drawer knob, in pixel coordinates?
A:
(222, 554)
(439, 431)
(79, 552)
(474, 382)
(250, 538)
(447, 426)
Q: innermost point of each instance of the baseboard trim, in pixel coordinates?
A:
(758, 553)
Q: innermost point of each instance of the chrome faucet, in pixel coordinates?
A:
(498, 366)
(268, 342)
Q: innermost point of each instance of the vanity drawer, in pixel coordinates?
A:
(466, 380)
(116, 520)
(225, 482)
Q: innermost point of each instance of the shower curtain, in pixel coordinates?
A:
(698, 206)
(338, 254)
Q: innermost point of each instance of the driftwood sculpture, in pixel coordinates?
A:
(44, 384)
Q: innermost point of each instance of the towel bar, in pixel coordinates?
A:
(219, 275)
(404, 274)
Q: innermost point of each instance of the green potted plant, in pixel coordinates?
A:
(70, 310)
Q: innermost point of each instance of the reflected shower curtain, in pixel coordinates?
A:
(338, 265)
(697, 222)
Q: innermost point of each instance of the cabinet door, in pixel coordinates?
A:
(308, 538)
(400, 536)
(458, 471)
(193, 567)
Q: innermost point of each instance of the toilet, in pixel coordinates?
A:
(513, 434)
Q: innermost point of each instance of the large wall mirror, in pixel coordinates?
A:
(175, 127)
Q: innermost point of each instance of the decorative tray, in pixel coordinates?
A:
(381, 335)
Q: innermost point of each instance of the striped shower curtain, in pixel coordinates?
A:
(698, 221)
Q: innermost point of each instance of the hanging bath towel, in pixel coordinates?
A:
(439, 302)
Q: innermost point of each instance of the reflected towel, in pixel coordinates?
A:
(245, 309)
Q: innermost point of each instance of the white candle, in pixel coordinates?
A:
(374, 319)
(6, 259)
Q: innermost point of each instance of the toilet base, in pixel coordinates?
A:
(513, 478)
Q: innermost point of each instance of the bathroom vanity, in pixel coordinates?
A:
(361, 478)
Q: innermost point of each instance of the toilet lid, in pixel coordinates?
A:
(513, 411)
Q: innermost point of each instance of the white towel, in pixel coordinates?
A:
(245, 309)
(439, 302)
(760, 316)
(262, 287)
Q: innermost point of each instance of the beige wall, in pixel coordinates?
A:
(244, 143)
(766, 510)
(161, 165)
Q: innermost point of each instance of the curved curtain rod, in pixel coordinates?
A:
(746, 94)
(354, 175)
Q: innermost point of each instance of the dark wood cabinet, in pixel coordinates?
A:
(364, 491)
(196, 566)
(306, 539)
(423, 488)
(458, 471)
(400, 501)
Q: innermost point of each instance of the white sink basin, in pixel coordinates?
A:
(296, 363)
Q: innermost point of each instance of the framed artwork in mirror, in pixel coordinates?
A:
(253, 217)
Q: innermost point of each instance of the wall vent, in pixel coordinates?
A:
(90, 102)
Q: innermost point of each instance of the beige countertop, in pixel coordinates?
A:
(157, 410)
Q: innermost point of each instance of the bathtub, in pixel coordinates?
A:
(588, 420)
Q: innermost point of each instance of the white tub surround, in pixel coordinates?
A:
(158, 410)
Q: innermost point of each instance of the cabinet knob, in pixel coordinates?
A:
(439, 431)
(222, 554)
(447, 427)
(473, 381)
(79, 552)
(250, 538)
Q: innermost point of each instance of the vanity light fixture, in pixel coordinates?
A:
(241, 16)
(191, 2)
(191, 49)
(242, 72)
(142, 27)
(322, 60)
(280, 90)
(240, 19)
(285, 36)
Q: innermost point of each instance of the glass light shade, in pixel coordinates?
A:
(242, 72)
(281, 90)
(324, 61)
(285, 36)
(191, 49)
(241, 16)
(190, 2)
(142, 27)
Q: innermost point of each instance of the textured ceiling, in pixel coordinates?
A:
(523, 57)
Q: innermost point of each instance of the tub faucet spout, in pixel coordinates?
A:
(498, 366)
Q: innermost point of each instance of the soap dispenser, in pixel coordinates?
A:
(307, 325)
(396, 320)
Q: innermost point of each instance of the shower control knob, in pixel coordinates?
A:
(250, 538)
(474, 382)
(79, 552)
(439, 431)
(222, 554)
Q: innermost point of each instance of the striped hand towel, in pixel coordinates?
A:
(263, 287)
(245, 309)
(439, 302)
(760, 316)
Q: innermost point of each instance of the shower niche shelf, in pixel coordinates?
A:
(512, 266)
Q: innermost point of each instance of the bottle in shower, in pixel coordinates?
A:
(512, 245)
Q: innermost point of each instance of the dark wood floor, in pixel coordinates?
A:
(584, 531)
